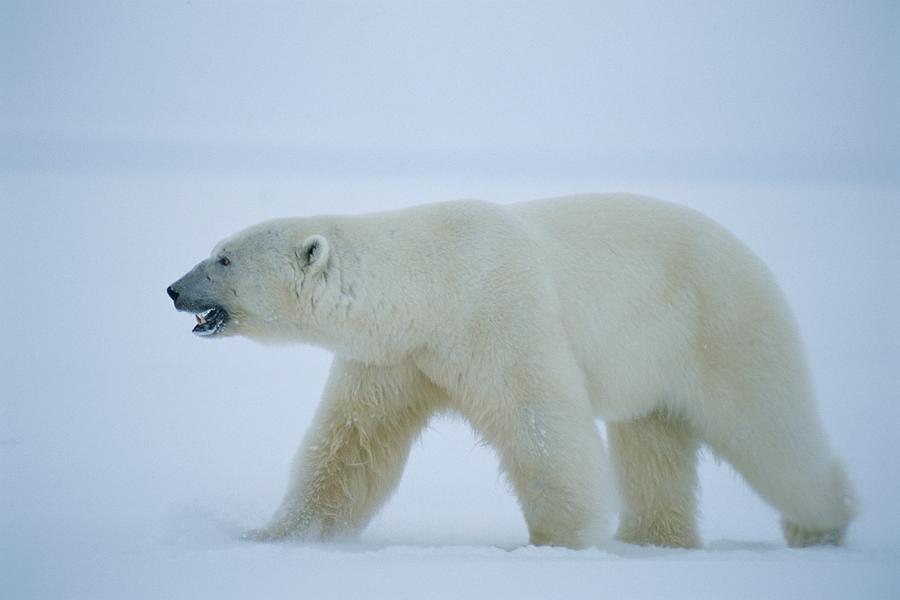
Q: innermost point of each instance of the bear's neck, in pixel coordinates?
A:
(385, 293)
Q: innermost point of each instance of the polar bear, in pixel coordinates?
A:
(531, 320)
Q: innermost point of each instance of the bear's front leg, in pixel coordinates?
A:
(355, 451)
(551, 450)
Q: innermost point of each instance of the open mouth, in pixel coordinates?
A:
(210, 321)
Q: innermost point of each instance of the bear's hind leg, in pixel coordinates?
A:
(655, 462)
(786, 459)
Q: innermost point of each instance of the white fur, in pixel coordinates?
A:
(531, 320)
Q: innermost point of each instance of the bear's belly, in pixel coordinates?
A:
(633, 374)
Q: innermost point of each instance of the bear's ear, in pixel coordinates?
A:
(313, 252)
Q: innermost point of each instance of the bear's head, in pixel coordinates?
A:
(256, 283)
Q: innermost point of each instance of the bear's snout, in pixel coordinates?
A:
(195, 291)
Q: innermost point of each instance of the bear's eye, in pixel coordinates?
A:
(224, 261)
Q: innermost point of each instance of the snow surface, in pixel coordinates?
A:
(133, 453)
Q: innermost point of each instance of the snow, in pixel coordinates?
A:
(471, 572)
(134, 136)
(134, 454)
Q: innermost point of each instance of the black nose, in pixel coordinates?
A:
(172, 293)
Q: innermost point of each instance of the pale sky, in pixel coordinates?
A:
(808, 86)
